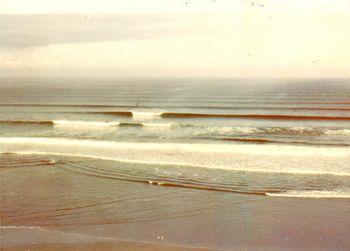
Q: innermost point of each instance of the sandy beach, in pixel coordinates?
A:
(95, 246)
(67, 210)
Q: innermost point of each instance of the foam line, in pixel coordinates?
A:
(248, 157)
(312, 194)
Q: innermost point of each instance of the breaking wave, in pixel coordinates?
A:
(251, 116)
(183, 115)
(313, 194)
(293, 131)
(199, 130)
(82, 124)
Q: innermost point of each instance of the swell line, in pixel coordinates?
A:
(261, 141)
(78, 123)
(21, 122)
(117, 113)
(266, 141)
(224, 107)
(317, 108)
(63, 105)
(243, 101)
(251, 116)
(166, 182)
(10, 162)
(213, 115)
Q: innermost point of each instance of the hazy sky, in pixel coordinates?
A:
(175, 38)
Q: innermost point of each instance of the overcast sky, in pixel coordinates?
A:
(175, 38)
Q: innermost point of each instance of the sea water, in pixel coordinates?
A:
(254, 139)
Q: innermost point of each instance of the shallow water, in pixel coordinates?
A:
(55, 199)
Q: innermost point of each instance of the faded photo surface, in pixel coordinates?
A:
(174, 125)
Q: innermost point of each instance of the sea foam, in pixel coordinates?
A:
(239, 157)
(313, 194)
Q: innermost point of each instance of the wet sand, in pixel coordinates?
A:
(48, 207)
(96, 246)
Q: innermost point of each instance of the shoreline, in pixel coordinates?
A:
(65, 210)
(92, 246)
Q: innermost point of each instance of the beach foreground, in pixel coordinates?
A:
(48, 207)
(122, 245)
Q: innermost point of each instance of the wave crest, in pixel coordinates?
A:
(251, 116)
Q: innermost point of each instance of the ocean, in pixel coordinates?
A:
(216, 164)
